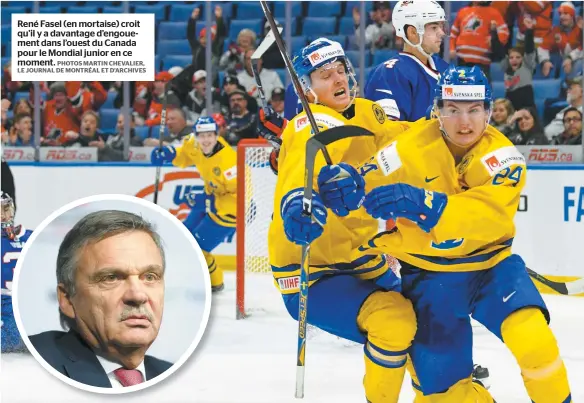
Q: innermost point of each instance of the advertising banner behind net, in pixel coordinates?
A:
(550, 220)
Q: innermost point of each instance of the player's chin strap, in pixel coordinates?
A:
(419, 47)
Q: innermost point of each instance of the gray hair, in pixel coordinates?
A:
(91, 229)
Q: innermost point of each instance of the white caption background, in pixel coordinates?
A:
(83, 47)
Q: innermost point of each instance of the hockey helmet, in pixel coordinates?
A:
(205, 124)
(463, 84)
(8, 210)
(319, 53)
(417, 14)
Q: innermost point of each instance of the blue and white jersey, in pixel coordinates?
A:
(404, 86)
(11, 249)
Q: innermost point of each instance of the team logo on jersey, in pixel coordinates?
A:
(216, 171)
(473, 23)
(464, 164)
(379, 113)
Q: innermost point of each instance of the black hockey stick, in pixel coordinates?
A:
(161, 133)
(569, 288)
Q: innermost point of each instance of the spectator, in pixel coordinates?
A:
(5, 124)
(277, 100)
(272, 58)
(20, 134)
(563, 39)
(196, 102)
(59, 116)
(527, 129)
(157, 99)
(380, 34)
(242, 124)
(113, 148)
(218, 34)
(540, 13)
(519, 68)
(230, 84)
(86, 95)
(88, 132)
(572, 134)
(501, 117)
(234, 58)
(269, 78)
(176, 121)
(478, 36)
(574, 100)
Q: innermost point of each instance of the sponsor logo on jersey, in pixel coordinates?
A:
(323, 122)
(230, 173)
(463, 92)
(502, 158)
(289, 283)
(174, 189)
(388, 159)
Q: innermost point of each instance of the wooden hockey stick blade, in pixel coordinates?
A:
(568, 288)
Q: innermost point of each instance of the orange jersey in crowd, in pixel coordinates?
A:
(470, 35)
(154, 113)
(66, 119)
(140, 105)
(541, 11)
(560, 39)
(86, 99)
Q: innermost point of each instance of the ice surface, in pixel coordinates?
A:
(253, 360)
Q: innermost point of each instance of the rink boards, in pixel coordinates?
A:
(550, 220)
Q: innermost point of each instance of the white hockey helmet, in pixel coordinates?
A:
(417, 14)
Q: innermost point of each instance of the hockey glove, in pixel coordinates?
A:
(421, 206)
(159, 157)
(274, 160)
(298, 227)
(271, 126)
(341, 187)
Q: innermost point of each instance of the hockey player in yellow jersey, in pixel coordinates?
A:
(453, 184)
(358, 300)
(212, 216)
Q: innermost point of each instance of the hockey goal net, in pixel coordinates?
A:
(256, 184)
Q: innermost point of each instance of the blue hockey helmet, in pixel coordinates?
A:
(205, 124)
(463, 84)
(7, 216)
(318, 53)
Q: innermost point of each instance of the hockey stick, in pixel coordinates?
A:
(161, 133)
(306, 205)
(255, 58)
(569, 288)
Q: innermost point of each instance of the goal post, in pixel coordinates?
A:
(256, 185)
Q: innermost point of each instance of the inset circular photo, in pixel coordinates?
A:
(111, 294)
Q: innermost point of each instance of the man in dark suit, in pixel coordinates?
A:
(110, 275)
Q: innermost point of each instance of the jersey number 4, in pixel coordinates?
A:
(7, 258)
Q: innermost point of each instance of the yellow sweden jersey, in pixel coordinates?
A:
(476, 229)
(219, 172)
(330, 253)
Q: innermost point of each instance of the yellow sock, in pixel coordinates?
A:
(535, 348)
(390, 323)
(214, 270)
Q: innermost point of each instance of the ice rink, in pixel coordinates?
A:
(253, 360)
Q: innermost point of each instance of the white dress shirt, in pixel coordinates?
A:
(110, 366)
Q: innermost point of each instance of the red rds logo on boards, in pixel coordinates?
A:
(173, 190)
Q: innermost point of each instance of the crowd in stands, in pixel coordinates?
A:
(531, 52)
